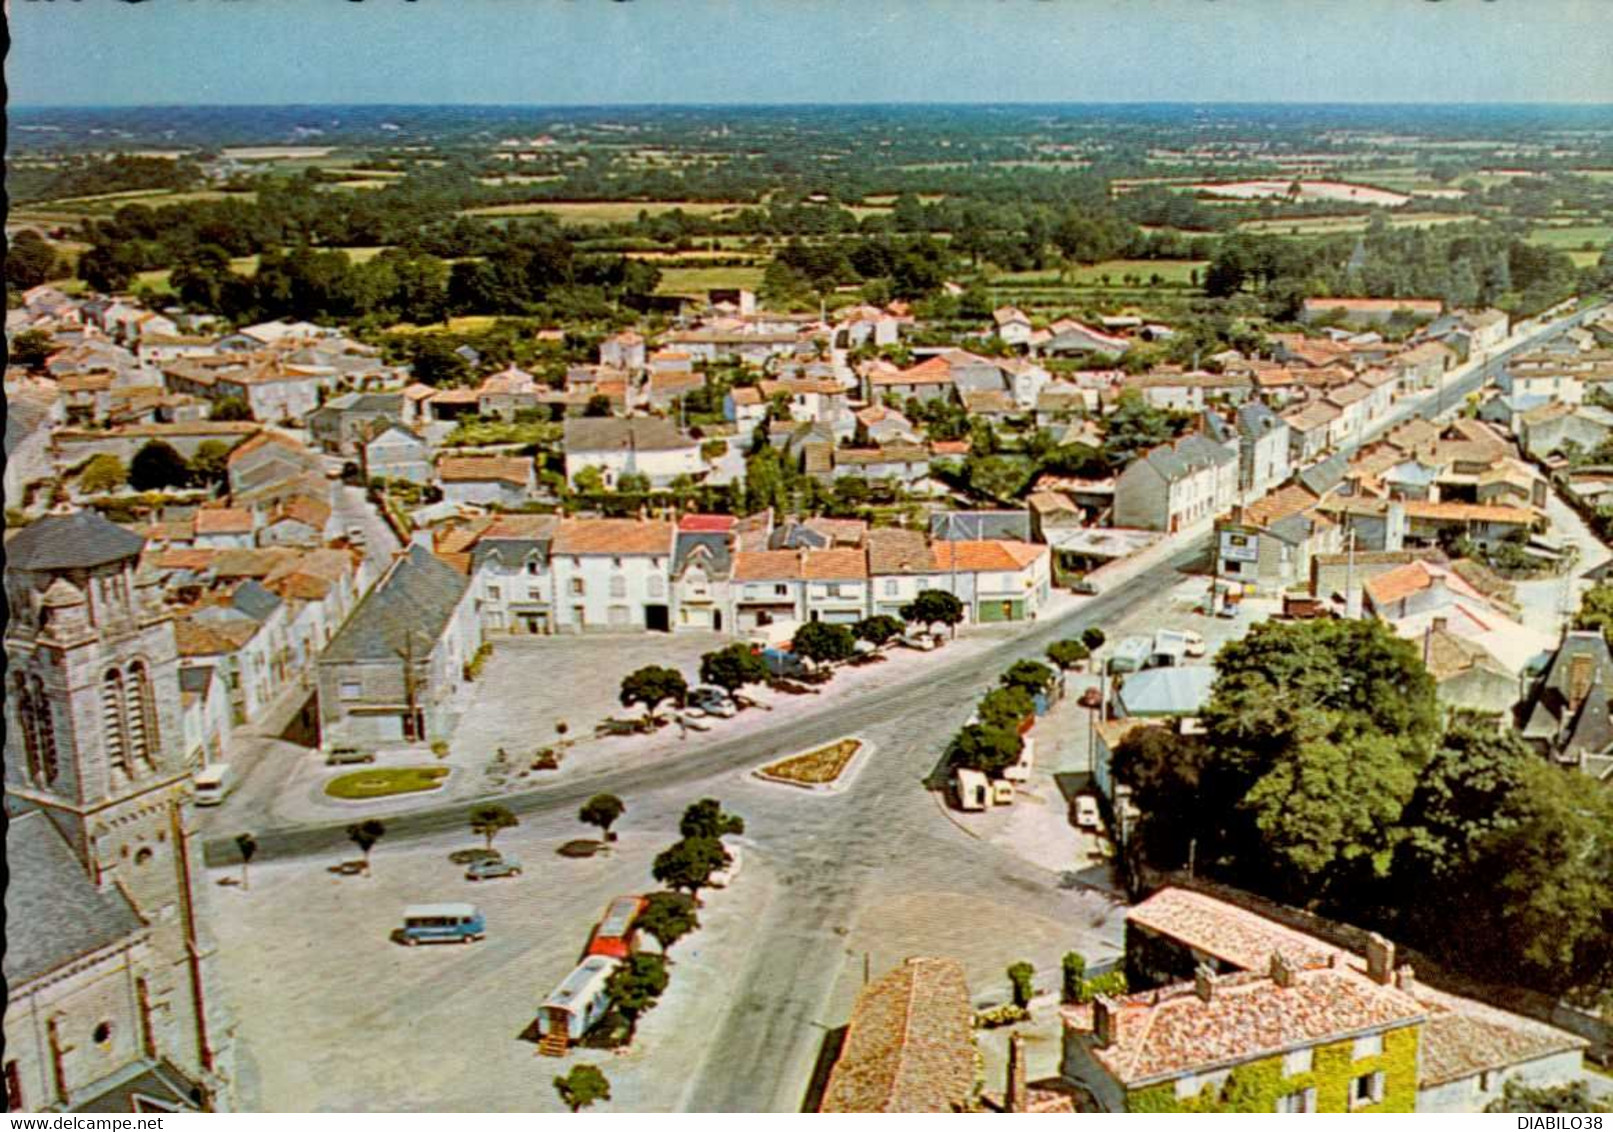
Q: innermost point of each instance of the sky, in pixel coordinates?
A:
(581, 52)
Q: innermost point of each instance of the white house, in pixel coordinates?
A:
(612, 574)
(647, 446)
(1176, 485)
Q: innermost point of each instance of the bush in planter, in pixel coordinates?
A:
(1005, 1015)
(1020, 977)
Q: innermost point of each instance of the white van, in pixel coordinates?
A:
(213, 784)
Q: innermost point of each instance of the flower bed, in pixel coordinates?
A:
(814, 768)
(365, 785)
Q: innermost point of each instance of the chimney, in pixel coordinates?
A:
(1405, 980)
(1104, 1021)
(1441, 624)
(1204, 982)
(1282, 969)
(1018, 1095)
(1380, 959)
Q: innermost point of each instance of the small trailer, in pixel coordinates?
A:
(578, 1003)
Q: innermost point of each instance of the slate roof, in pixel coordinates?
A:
(976, 525)
(418, 595)
(1173, 691)
(610, 434)
(54, 913)
(252, 599)
(715, 549)
(910, 1043)
(1192, 453)
(1321, 478)
(76, 540)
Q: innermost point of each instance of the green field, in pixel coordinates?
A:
(603, 212)
(1169, 271)
(1573, 237)
(696, 281)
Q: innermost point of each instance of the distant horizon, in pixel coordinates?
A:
(827, 52)
(762, 105)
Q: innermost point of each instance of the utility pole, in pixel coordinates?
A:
(411, 720)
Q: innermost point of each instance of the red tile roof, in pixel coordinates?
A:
(614, 537)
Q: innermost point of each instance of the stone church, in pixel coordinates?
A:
(111, 1002)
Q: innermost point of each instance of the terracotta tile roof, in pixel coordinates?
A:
(223, 521)
(1225, 931)
(1316, 414)
(455, 397)
(717, 523)
(478, 469)
(266, 439)
(1279, 505)
(1346, 395)
(835, 564)
(1462, 1038)
(1173, 1031)
(951, 447)
(1403, 581)
(892, 550)
(845, 532)
(910, 1043)
(746, 395)
(767, 566)
(1004, 555)
(212, 638)
(1048, 501)
(614, 537)
(932, 371)
(184, 558)
(304, 509)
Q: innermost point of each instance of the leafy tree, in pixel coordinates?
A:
(986, 748)
(231, 409)
(1164, 772)
(667, 917)
(104, 473)
(1573, 1097)
(588, 481)
(934, 607)
(598, 406)
(30, 260)
(637, 985)
(1542, 903)
(1069, 653)
(651, 686)
(1021, 977)
(210, 465)
(583, 1087)
(247, 846)
(1074, 971)
(732, 667)
(602, 810)
(1318, 730)
(706, 818)
(1033, 676)
(1134, 427)
(687, 866)
(435, 361)
(1006, 707)
(1093, 637)
(1596, 610)
(31, 349)
(490, 821)
(823, 643)
(633, 483)
(157, 465)
(365, 835)
(877, 630)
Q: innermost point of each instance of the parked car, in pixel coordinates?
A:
(712, 701)
(1083, 587)
(1091, 698)
(348, 756)
(923, 642)
(722, 878)
(490, 867)
(1087, 815)
(355, 535)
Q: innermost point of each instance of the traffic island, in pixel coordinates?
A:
(823, 770)
(368, 785)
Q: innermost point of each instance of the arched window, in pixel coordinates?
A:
(45, 727)
(114, 721)
(30, 732)
(142, 707)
